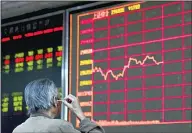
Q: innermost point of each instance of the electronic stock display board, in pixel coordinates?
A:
(130, 66)
(30, 50)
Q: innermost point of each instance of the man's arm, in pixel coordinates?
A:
(86, 126)
(68, 129)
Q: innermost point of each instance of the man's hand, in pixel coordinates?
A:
(74, 106)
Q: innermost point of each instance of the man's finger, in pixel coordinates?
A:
(72, 96)
(66, 103)
(68, 97)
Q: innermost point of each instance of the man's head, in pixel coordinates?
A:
(42, 95)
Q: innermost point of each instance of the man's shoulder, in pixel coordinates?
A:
(48, 125)
(59, 125)
(60, 122)
(15, 130)
(18, 129)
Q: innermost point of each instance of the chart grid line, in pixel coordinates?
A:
(142, 43)
(162, 71)
(138, 111)
(143, 68)
(92, 76)
(126, 76)
(108, 67)
(148, 88)
(147, 99)
(150, 53)
(149, 76)
(183, 66)
(85, 42)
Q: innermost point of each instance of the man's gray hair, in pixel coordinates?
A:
(40, 94)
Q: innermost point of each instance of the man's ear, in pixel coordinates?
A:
(55, 102)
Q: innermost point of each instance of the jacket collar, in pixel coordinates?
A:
(40, 114)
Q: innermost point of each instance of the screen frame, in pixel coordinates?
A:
(64, 79)
(33, 18)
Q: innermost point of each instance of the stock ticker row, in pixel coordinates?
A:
(129, 64)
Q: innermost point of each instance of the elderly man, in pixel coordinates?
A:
(42, 99)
